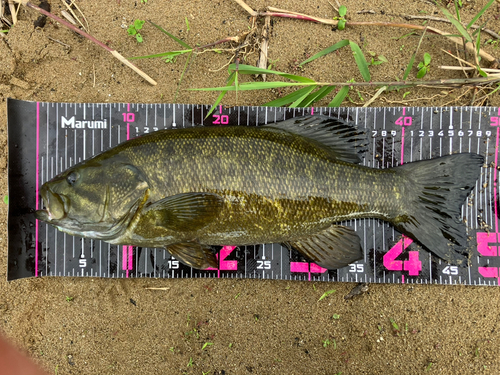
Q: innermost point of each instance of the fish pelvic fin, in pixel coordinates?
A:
(193, 254)
(436, 191)
(333, 248)
(346, 141)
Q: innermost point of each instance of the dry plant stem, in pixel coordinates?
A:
(486, 70)
(58, 41)
(377, 94)
(74, 15)
(92, 39)
(68, 16)
(276, 12)
(13, 11)
(225, 40)
(252, 12)
(458, 58)
(262, 63)
(430, 18)
(87, 29)
(406, 101)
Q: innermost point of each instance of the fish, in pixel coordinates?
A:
(291, 182)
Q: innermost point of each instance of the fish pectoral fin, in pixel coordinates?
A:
(193, 254)
(346, 141)
(187, 211)
(333, 248)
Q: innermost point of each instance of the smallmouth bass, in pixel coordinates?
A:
(289, 182)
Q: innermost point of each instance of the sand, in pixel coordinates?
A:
(104, 326)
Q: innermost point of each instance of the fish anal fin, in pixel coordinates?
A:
(186, 212)
(333, 248)
(193, 254)
(344, 139)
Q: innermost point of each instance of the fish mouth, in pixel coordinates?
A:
(56, 205)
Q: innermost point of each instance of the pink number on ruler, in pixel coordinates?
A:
(404, 121)
(128, 117)
(224, 119)
(495, 121)
(127, 252)
(225, 265)
(413, 265)
(487, 245)
(308, 268)
(484, 241)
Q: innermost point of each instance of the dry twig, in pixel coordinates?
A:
(115, 53)
(276, 12)
(262, 63)
(438, 19)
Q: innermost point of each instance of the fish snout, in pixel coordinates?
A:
(54, 204)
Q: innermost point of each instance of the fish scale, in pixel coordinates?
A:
(59, 139)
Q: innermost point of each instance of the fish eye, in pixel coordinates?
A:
(72, 177)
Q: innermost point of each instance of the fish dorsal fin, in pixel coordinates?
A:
(186, 212)
(345, 140)
(193, 254)
(333, 248)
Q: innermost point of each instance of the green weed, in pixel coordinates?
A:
(341, 19)
(326, 294)
(207, 344)
(423, 66)
(134, 30)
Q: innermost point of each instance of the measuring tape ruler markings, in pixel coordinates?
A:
(407, 134)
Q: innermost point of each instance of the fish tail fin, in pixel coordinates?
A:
(436, 191)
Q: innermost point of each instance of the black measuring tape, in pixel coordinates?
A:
(47, 138)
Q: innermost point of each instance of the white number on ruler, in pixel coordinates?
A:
(450, 270)
(82, 262)
(146, 129)
(356, 268)
(173, 264)
(263, 264)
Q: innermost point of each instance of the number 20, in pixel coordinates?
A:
(218, 119)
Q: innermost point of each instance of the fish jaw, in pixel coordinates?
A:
(55, 206)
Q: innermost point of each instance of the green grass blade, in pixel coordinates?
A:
(254, 86)
(326, 294)
(299, 100)
(360, 61)
(317, 96)
(163, 54)
(185, 45)
(287, 99)
(412, 59)
(457, 11)
(339, 98)
(248, 69)
(232, 78)
(326, 51)
(478, 46)
(410, 65)
(186, 65)
(457, 25)
(485, 8)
